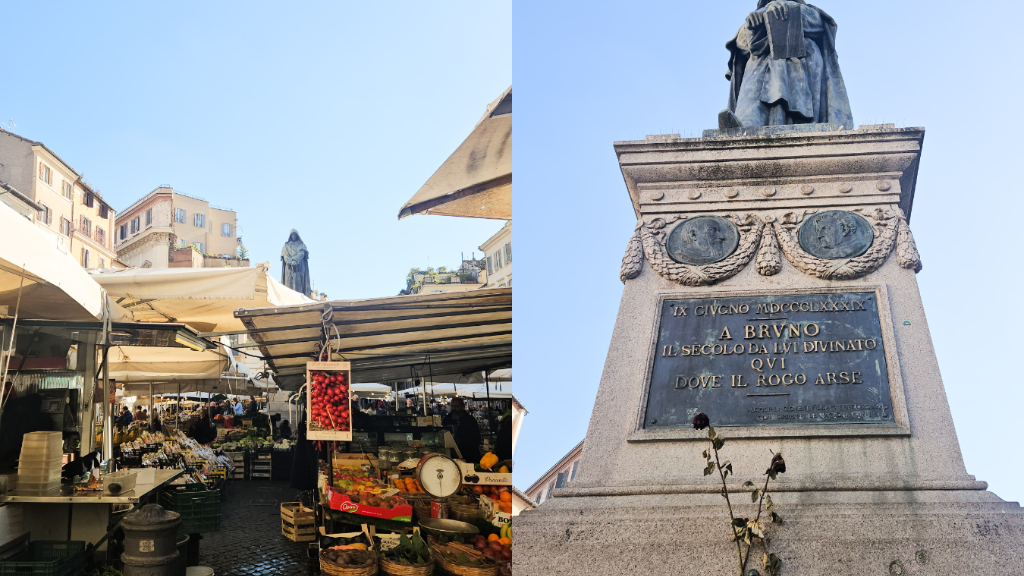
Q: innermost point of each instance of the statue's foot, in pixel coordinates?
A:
(726, 120)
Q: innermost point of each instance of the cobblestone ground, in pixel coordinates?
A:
(249, 542)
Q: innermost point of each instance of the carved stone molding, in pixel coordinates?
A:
(771, 238)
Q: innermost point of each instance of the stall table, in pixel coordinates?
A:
(83, 517)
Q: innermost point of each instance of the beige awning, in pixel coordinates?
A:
(52, 283)
(153, 364)
(476, 180)
(203, 298)
(387, 339)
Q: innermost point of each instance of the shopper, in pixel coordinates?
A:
(252, 408)
(239, 410)
(504, 448)
(156, 425)
(126, 417)
(464, 429)
(286, 430)
(202, 431)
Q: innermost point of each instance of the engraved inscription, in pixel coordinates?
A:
(770, 360)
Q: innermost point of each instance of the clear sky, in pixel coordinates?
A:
(591, 73)
(320, 116)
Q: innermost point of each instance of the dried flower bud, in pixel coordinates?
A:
(778, 464)
(701, 421)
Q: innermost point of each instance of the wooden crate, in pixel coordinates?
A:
(296, 513)
(298, 532)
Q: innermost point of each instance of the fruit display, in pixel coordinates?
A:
(496, 547)
(500, 497)
(368, 503)
(453, 555)
(328, 401)
(409, 485)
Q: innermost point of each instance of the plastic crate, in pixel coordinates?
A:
(42, 558)
(199, 508)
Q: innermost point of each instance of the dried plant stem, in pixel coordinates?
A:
(732, 517)
(760, 503)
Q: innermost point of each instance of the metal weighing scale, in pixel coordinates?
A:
(440, 477)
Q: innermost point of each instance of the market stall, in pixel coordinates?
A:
(372, 483)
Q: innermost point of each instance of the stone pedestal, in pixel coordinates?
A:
(876, 484)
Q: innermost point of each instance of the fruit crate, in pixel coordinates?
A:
(298, 532)
(199, 508)
(42, 558)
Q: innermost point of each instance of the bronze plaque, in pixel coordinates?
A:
(702, 240)
(797, 359)
(836, 234)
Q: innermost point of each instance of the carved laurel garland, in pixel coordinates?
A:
(845, 268)
(633, 261)
(770, 239)
(654, 251)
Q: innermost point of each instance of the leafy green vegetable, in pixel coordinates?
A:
(409, 550)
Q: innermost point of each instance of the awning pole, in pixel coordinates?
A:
(6, 360)
(151, 406)
(177, 411)
(108, 432)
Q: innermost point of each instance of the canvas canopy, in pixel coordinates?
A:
(52, 283)
(474, 391)
(203, 298)
(237, 386)
(152, 364)
(389, 339)
(476, 180)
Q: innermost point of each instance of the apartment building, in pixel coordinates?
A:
(170, 229)
(65, 204)
(498, 250)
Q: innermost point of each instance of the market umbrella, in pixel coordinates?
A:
(476, 180)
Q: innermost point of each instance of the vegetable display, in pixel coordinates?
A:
(412, 550)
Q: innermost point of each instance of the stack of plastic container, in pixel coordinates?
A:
(40, 462)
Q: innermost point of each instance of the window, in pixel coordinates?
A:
(200, 220)
(550, 488)
(101, 237)
(124, 231)
(65, 226)
(572, 474)
(179, 215)
(45, 215)
(89, 199)
(200, 246)
(181, 243)
(225, 230)
(45, 174)
(497, 260)
(85, 257)
(103, 263)
(508, 253)
(149, 217)
(104, 211)
(85, 226)
(134, 226)
(65, 189)
(489, 266)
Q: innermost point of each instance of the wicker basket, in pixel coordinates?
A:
(392, 568)
(489, 568)
(368, 566)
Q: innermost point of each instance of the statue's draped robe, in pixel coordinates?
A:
(295, 265)
(797, 90)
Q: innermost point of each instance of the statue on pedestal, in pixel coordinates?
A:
(784, 69)
(295, 265)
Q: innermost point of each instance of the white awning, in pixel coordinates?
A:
(474, 391)
(227, 386)
(203, 298)
(476, 180)
(53, 284)
(152, 364)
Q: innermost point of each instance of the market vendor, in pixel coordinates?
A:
(464, 429)
(252, 408)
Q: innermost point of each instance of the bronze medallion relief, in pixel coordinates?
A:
(702, 240)
(836, 234)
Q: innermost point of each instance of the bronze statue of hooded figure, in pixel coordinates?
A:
(766, 91)
(295, 265)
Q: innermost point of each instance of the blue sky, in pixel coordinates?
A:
(320, 116)
(591, 73)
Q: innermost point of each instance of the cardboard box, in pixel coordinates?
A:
(493, 515)
(315, 431)
(338, 501)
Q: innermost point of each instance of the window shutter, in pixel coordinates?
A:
(40, 170)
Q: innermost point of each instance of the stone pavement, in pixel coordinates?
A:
(249, 542)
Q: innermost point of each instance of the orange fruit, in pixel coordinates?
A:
(478, 489)
(493, 538)
(506, 497)
(505, 541)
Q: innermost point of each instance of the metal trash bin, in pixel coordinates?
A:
(151, 542)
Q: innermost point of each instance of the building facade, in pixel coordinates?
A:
(66, 205)
(169, 229)
(498, 251)
(469, 276)
(557, 477)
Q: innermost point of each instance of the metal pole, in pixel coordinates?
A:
(150, 406)
(177, 411)
(108, 431)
